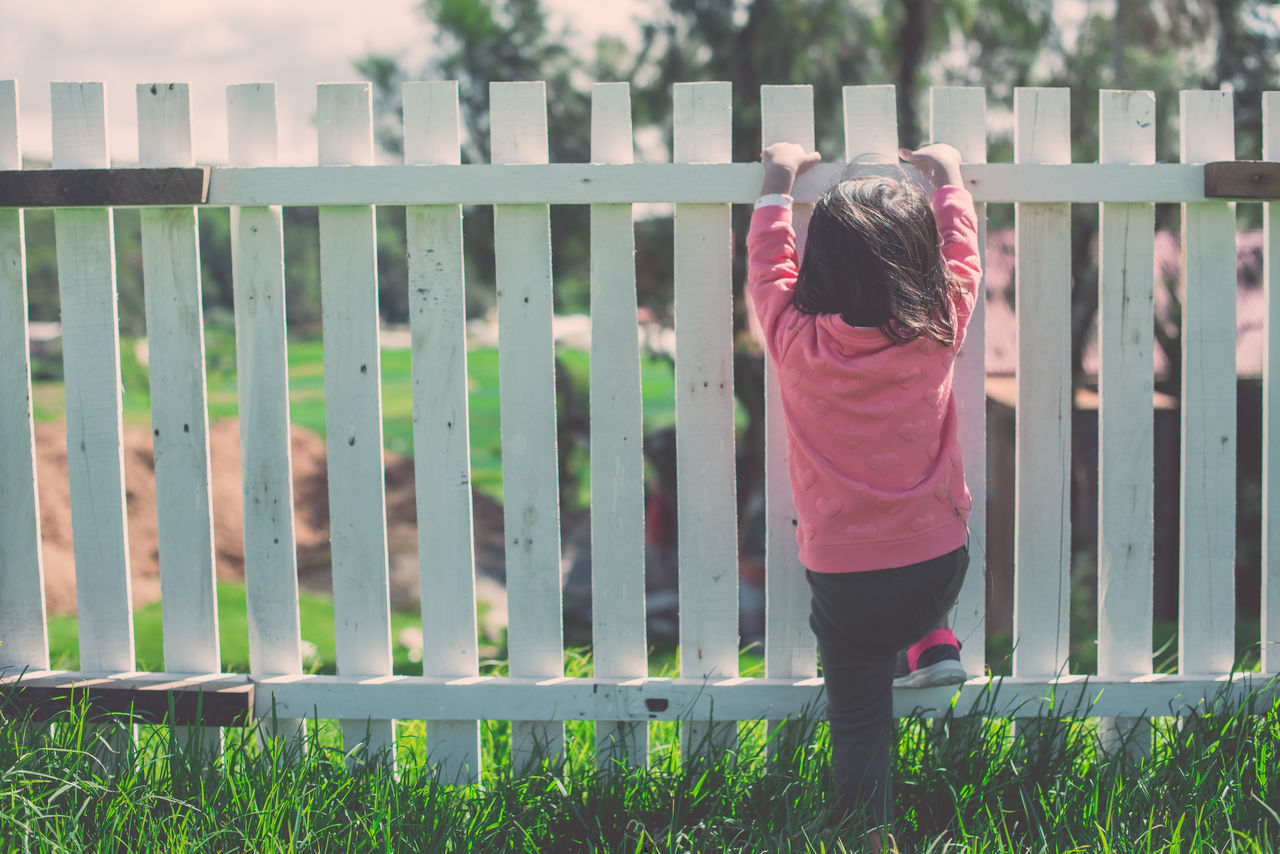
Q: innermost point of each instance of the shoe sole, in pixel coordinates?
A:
(946, 672)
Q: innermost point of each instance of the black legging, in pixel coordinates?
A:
(861, 620)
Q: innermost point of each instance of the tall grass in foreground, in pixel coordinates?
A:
(1211, 783)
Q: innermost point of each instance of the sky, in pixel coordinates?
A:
(210, 44)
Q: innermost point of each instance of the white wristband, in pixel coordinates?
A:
(774, 199)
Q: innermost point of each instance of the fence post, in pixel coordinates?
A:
(706, 491)
(442, 459)
(617, 438)
(1207, 532)
(1271, 402)
(526, 367)
(262, 386)
(179, 411)
(22, 610)
(91, 365)
(353, 411)
(1042, 536)
(958, 115)
(786, 115)
(1125, 424)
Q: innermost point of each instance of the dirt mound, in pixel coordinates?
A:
(311, 516)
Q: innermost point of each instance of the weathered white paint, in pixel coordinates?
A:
(1042, 496)
(786, 114)
(22, 612)
(1125, 427)
(353, 411)
(706, 502)
(1207, 540)
(739, 698)
(618, 646)
(1271, 402)
(526, 367)
(442, 459)
(179, 412)
(91, 365)
(1125, 381)
(958, 115)
(257, 269)
(693, 183)
(870, 124)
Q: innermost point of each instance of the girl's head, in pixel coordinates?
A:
(872, 256)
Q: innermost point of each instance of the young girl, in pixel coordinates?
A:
(864, 336)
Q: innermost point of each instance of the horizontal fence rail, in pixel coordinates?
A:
(520, 185)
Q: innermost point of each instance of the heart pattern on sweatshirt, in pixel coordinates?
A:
(913, 431)
(884, 462)
(922, 523)
(907, 378)
(817, 406)
(807, 477)
(829, 506)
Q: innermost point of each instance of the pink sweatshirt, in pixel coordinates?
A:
(871, 425)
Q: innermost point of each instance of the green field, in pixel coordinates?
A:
(307, 403)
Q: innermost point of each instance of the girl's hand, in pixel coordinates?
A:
(783, 161)
(941, 162)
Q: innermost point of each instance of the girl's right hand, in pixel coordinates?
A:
(783, 161)
(941, 162)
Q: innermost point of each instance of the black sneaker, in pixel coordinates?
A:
(937, 662)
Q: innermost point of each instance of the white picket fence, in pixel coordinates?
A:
(520, 184)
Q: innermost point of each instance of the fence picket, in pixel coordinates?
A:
(175, 347)
(786, 114)
(958, 115)
(526, 368)
(353, 410)
(1271, 402)
(1126, 434)
(1042, 539)
(619, 645)
(22, 611)
(442, 459)
(179, 411)
(706, 491)
(257, 273)
(91, 365)
(1206, 588)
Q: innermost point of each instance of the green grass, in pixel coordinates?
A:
(1210, 784)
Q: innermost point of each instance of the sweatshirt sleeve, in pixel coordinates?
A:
(958, 226)
(772, 267)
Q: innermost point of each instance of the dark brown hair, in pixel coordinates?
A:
(873, 257)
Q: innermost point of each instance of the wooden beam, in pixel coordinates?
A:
(213, 700)
(44, 188)
(1242, 179)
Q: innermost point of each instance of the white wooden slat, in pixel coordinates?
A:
(179, 411)
(1271, 405)
(442, 461)
(786, 116)
(353, 410)
(22, 608)
(743, 698)
(1042, 504)
(693, 183)
(619, 646)
(1206, 588)
(870, 124)
(958, 116)
(91, 365)
(1126, 428)
(257, 265)
(706, 487)
(526, 368)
